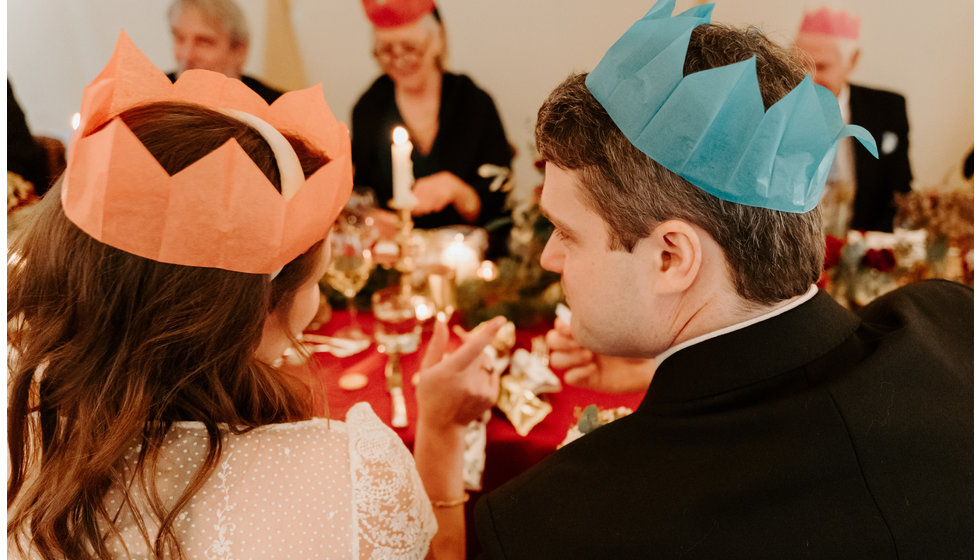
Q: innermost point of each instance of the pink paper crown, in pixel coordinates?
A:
(834, 23)
(219, 212)
(393, 13)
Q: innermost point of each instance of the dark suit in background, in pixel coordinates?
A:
(265, 92)
(878, 180)
(25, 156)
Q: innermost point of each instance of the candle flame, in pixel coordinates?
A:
(399, 135)
(424, 309)
(76, 120)
(487, 271)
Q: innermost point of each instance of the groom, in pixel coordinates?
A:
(683, 176)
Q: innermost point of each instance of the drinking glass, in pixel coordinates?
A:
(440, 287)
(348, 271)
(398, 331)
(396, 326)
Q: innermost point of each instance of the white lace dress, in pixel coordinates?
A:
(298, 490)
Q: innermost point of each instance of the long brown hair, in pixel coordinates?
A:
(108, 349)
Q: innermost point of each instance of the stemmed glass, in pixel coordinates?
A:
(349, 269)
(398, 331)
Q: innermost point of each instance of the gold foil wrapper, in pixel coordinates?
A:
(522, 407)
(503, 342)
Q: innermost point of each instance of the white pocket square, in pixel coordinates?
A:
(889, 141)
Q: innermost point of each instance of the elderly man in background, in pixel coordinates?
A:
(213, 35)
(860, 189)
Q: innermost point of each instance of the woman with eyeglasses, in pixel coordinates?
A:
(453, 124)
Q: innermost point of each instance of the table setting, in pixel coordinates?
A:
(932, 238)
(386, 286)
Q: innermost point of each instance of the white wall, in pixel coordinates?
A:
(516, 49)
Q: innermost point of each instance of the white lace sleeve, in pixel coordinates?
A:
(393, 516)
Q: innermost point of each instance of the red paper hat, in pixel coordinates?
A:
(825, 21)
(393, 13)
(221, 211)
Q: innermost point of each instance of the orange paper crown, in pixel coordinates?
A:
(219, 212)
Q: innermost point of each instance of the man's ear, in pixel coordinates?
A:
(854, 61)
(677, 254)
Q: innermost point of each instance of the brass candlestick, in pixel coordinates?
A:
(405, 265)
(406, 261)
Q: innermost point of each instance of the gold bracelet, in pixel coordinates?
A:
(451, 503)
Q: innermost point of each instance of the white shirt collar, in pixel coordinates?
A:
(844, 100)
(725, 330)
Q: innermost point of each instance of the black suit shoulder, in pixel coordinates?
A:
(858, 450)
(865, 92)
(267, 93)
(878, 109)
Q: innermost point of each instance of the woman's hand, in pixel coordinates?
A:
(456, 388)
(583, 368)
(437, 191)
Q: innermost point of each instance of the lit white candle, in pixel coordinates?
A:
(461, 257)
(401, 170)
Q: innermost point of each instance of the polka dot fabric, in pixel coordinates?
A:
(308, 489)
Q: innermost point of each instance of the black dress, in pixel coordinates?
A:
(470, 135)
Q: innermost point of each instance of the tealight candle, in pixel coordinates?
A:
(460, 257)
(401, 170)
(487, 271)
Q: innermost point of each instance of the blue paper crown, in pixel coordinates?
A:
(711, 127)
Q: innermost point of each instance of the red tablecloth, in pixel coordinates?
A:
(508, 453)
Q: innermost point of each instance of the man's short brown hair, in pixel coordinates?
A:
(772, 255)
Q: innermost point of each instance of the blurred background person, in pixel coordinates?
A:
(213, 35)
(25, 156)
(452, 123)
(34, 158)
(860, 189)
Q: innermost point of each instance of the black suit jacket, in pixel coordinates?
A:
(265, 92)
(814, 434)
(878, 180)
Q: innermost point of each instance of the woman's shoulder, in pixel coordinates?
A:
(462, 83)
(381, 90)
(359, 420)
(371, 439)
(461, 90)
(394, 517)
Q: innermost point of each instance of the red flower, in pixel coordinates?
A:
(823, 281)
(831, 256)
(879, 259)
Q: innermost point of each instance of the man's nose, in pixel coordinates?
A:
(183, 52)
(551, 257)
